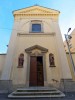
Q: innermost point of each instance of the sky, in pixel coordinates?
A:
(66, 18)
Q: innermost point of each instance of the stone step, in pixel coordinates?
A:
(32, 94)
(43, 92)
(36, 93)
(37, 96)
(35, 90)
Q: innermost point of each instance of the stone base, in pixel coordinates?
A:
(67, 85)
(15, 87)
(6, 85)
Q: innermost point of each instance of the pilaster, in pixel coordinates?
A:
(10, 53)
(66, 74)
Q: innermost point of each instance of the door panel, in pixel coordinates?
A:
(40, 79)
(36, 71)
(33, 71)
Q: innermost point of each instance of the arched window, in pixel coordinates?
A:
(51, 59)
(21, 60)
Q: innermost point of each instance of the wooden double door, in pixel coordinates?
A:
(36, 71)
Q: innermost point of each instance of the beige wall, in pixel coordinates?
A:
(2, 62)
(70, 65)
(72, 41)
(28, 41)
(25, 24)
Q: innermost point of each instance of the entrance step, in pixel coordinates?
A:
(36, 92)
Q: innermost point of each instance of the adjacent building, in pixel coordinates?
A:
(72, 50)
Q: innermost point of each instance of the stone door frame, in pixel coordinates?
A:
(42, 53)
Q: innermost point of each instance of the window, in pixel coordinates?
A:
(36, 27)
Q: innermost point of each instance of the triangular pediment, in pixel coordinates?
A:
(30, 49)
(36, 10)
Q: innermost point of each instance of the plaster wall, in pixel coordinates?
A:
(70, 65)
(24, 42)
(25, 25)
(2, 61)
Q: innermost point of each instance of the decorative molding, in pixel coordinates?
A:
(36, 11)
(39, 49)
(36, 14)
(24, 16)
(35, 34)
(30, 49)
(18, 16)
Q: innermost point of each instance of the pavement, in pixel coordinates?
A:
(69, 96)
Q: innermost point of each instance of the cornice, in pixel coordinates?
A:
(36, 6)
(36, 9)
(22, 16)
(37, 34)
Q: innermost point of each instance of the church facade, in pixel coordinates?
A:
(35, 55)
